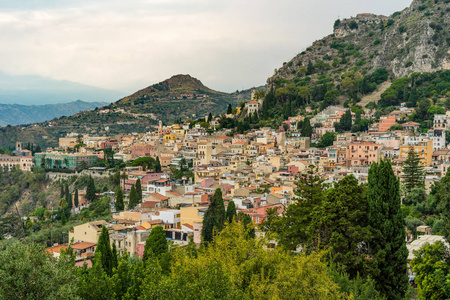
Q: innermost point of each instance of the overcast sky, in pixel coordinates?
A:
(126, 45)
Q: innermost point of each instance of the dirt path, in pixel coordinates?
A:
(375, 96)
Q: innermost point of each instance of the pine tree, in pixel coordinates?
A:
(387, 244)
(229, 109)
(298, 218)
(413, 173)
(341, 225)
(214, 218)
(119, 199)
(231, 211)
(75, 198)
(104, 248)
(139, 189)
(133, 198)
(158, 165)
(306, 128)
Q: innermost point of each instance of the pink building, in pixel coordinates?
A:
(207, 182)
(362, 153)
(260, 214)
(292, 169)
(140, 150)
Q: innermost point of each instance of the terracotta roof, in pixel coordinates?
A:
(119, 227)
(158, 221)
(188, 226)
(140, 228)
(56, 249)
(82, 245)
(173, 194)
(159, 196)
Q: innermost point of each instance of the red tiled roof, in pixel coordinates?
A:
(159, 196)
(82, 245)
(56, 249)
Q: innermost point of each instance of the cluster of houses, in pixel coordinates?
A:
(257, 170)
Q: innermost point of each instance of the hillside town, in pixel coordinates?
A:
(257, 170)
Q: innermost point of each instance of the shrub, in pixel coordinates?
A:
(353, 25)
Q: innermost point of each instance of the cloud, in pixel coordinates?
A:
(126, 45)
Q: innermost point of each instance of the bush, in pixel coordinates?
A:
(353, 25)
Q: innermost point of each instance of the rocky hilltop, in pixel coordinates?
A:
(416, 39)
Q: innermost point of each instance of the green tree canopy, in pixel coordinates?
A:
(133, 198)
(231, 211)
(156, 244)
(296, 228)
(413, 172)
(306, 130)
(387, 244)
(432, 267)
(27, 272)
(214, 218)
(119, 205)
(104, 248)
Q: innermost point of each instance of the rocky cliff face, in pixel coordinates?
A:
(416, 39)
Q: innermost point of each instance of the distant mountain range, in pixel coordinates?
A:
(16, 114)
(37, 90)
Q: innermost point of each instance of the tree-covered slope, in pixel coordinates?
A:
(414, 40)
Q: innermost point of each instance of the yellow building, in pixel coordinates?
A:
(87, 232)
(191, 214)
(423, 149)
(170, 137)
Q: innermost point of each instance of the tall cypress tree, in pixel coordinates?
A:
(387, 243)
(413, 173)
(61, 193)
(158, 165)
(133, 198)
(139, 189)
(90, 190)
(214, 218)
(114, 257)
(231, 211)
(75, 198)
(119, 199)
(229, 109)
(306, 128)
(68, 197)
(104, 247)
